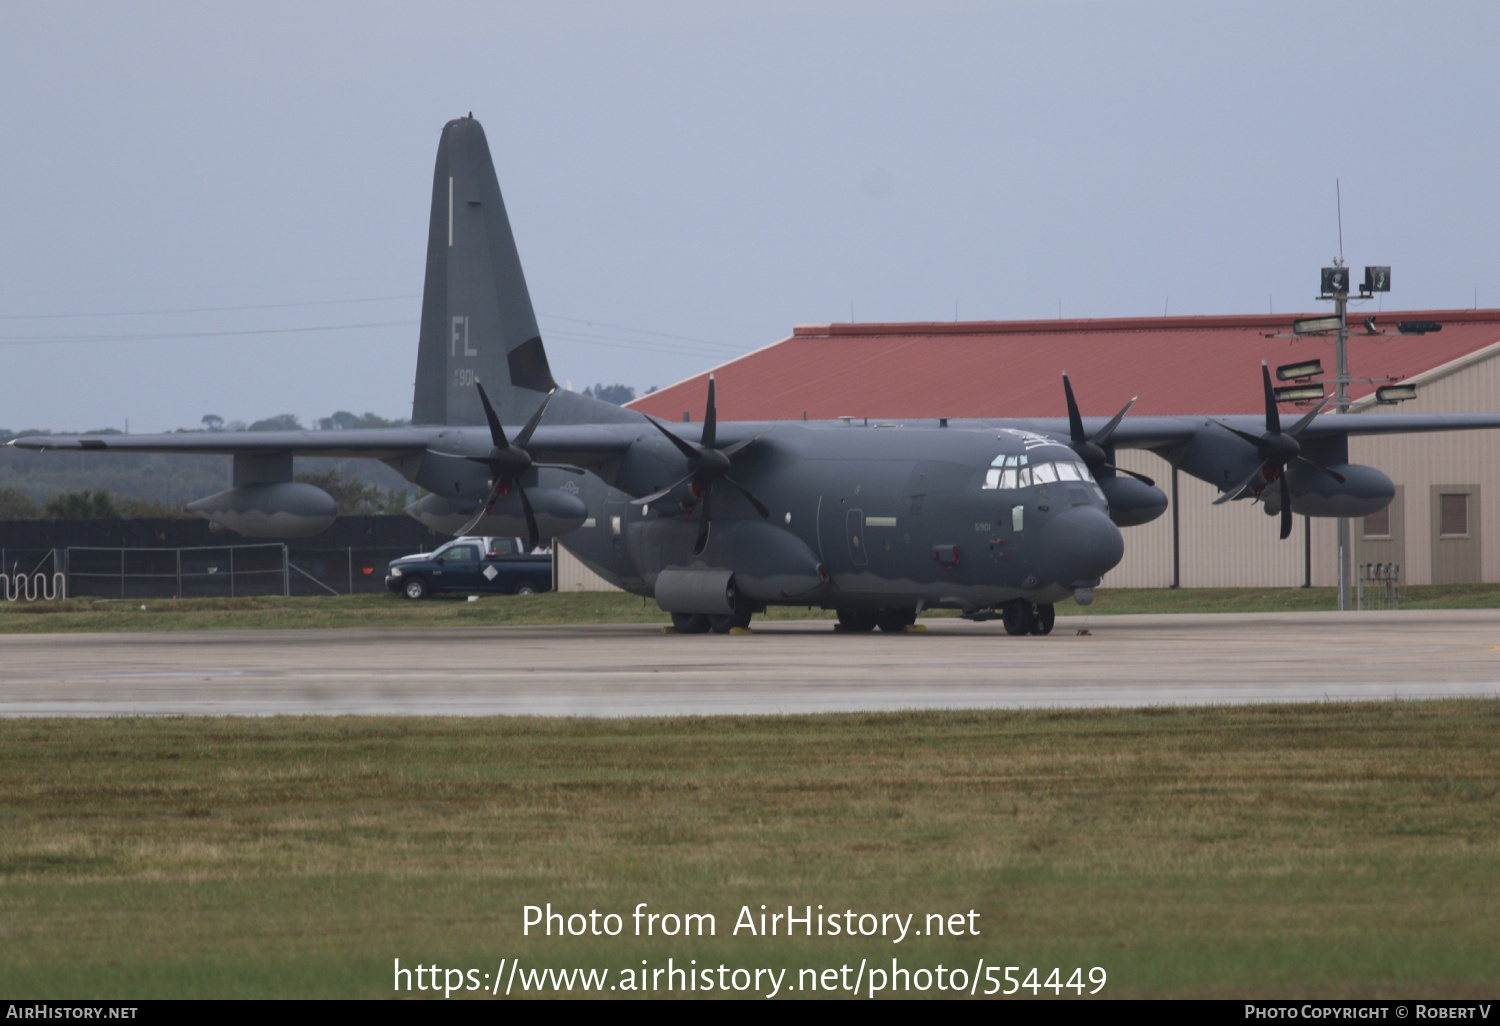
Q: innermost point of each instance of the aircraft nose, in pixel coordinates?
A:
(1082, 544)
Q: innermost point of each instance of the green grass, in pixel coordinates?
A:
(1337, 850)
(87, 614)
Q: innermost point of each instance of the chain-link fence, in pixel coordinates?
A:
(224, 571)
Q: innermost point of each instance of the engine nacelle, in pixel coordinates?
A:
(1132, 502)
(1315, 494)
(557, 513)
(284, 509)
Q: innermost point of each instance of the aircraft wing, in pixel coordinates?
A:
(1155, 432)
(580, 445)
(376, 443)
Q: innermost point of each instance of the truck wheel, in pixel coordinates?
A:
(525, 589)
(416, 588)
(689, 623)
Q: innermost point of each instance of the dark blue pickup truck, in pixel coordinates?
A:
(472, 565)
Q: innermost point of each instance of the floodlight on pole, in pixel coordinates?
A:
(1377, 279)
(1335, 281)
(1395, 393)
(1299, 393)
(1311, 325)
(1296, 371)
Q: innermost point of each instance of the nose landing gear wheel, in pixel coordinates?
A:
(1042, 619)
(1018, 617)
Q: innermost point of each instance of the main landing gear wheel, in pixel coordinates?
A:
(1018, 617)
(894, 621)
(689, 623)
(729, 621)
(1043, 619)
(416, 588)
(853, 619)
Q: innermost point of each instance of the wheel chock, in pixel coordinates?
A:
(740, 630)
(916, 628)
(669, 630)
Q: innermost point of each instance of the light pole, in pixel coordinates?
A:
(1341, 406)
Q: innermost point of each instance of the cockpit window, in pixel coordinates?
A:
(1011, 472)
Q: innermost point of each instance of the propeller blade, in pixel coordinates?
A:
(1273, 415)
(1075, 419)
(1102, 437)
(702, 543)
(1234, 493)
(1255, 440)
(497, 433)
(1286, 509)
(760, 507)
(533, 534)
(682, 447)
(737, 446)
(648, 499)
(1130, 473)
(536, 418)
(484, 507)
(710, 418)
(1340, 478)
(1307, 418)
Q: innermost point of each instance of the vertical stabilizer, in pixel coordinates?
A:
(477, 320)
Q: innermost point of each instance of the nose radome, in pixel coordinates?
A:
(1082, 544)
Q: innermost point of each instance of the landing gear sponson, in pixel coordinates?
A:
(1018, 615)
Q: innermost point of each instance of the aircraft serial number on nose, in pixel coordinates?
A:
(982, 527)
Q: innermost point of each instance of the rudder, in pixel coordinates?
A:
(477, 319)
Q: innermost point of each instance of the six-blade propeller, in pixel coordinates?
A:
(1091, 449)
(508, 461)
(707, 464)
(1277, 450)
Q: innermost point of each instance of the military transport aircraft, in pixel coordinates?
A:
(996, 518)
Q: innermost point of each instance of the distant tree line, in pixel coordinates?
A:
(354, 498)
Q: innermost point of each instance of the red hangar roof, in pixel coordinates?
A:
(1176, 365)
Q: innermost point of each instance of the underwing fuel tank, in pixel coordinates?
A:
(284, 509)
(557, 513)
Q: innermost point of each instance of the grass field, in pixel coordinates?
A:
(1338, 850)
(610, 607)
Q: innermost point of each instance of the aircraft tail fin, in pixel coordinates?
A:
(477, 320)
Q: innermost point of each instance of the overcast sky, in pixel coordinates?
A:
(688, 181)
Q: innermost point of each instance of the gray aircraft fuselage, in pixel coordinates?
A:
(861, 516)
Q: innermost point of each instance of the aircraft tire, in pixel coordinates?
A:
(1043, 619)
(689, 623)
(1017, 617)
(416, 588)
(894, 621)
(852, 618)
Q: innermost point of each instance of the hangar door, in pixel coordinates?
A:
(1455, 534)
